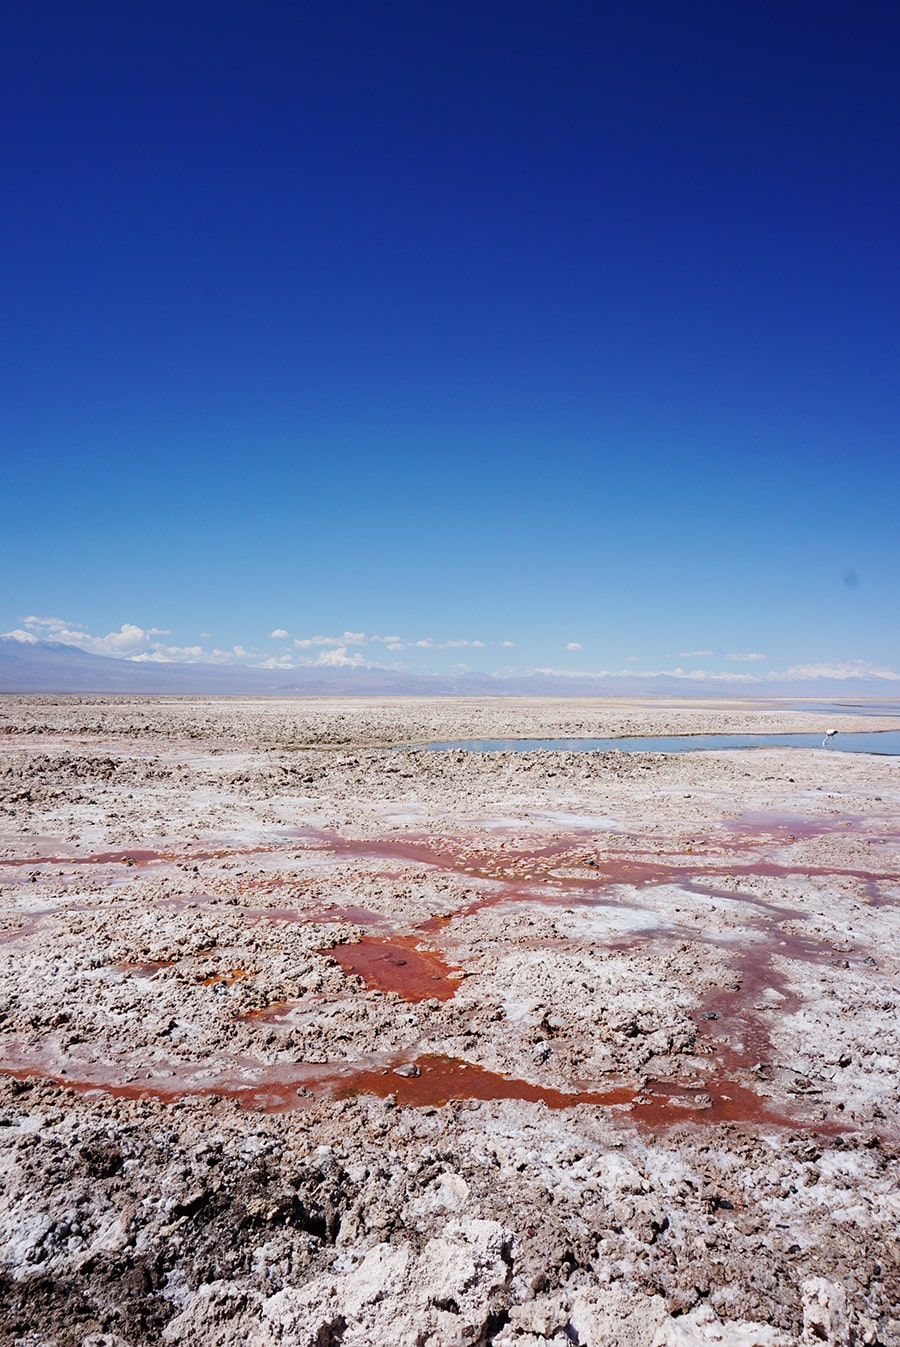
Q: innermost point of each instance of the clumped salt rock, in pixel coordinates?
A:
(825, 1313)
(701, 1326)
(220, 1312)
(394, 1296)
(658, 1102)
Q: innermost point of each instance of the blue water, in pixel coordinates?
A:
(874, 708)
(874, 741)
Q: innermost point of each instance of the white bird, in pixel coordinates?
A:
(829, 734)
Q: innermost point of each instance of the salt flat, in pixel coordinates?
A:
(308, 1040)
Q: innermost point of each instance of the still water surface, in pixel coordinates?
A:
(863, 708)
(873, 741)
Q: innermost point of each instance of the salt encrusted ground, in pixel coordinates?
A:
(623, 1068)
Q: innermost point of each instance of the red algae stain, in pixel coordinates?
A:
(569, 863)
(734, 1021)
(148, 969)
(129, 858)
(433, 1081)
(231, 975)
(289, 914)
(357, 916)
(396, 965)
(268, 1096)
(27, 926)
(663, 1104)
(276, 1013)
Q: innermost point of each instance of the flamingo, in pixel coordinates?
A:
(829, 735)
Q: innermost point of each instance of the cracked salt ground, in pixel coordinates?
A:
(654, 1099)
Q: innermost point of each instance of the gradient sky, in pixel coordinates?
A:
(553, 325)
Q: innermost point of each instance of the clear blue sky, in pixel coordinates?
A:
(540, 323)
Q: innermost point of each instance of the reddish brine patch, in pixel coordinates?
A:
(126, 857)
(228, 977)
(573, 863)
(288, 914)
(356, 916)
(735, 1021)
(148, 969)
(664, 1104)
(637, 860)
(436, 1080)
(397, 964)
(660, 1104)
(130, 856)
(27, 925)
(432, 1081)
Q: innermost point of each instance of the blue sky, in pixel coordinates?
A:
(567, 334)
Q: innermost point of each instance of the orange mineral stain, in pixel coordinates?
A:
(429, 1081)
(149, 969)
(228, 977)
(397, 965)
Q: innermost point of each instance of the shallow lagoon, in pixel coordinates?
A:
(873, 741)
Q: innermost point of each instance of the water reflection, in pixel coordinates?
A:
(871, 741)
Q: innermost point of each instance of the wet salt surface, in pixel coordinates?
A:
(574, 864)
(429, 1080)
(397, 965)
(858, 708)
(568, 870)
(638, 1072)
(872, 741)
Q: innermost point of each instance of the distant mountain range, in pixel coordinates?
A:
(52, 667)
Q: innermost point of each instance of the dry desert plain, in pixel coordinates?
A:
(305, 1040)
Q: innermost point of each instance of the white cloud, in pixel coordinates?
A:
(429, 644)
(633, 659)
(690, 675)
(279, 634)
(348, 638)
(693, 654)
(339, 659)
(507, 645)
(276, 662)
(179, 654)
(52, 623)
(139, 646)
(797, 673)
(24, 637)
(841, 669)
(128, 640)
(131, 642)
(392, 642)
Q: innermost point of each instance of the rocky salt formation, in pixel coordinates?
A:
(305, 1040)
